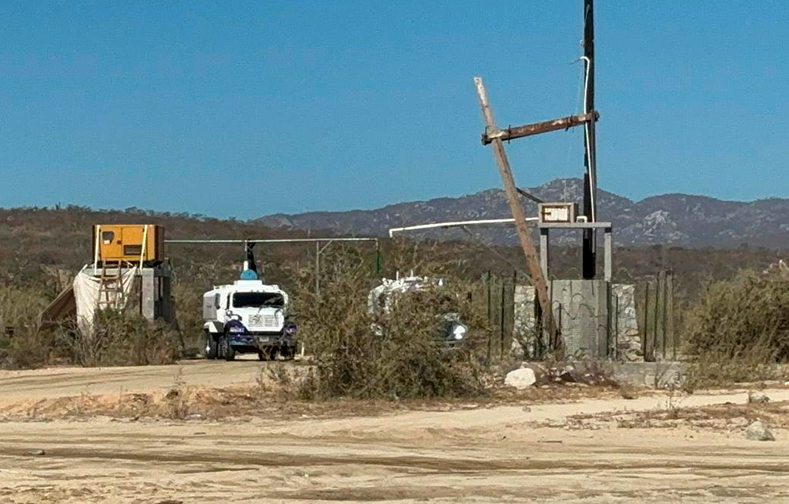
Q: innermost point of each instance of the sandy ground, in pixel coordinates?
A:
(507, 453)
(71, 381)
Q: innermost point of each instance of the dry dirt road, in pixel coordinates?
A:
(484, 454)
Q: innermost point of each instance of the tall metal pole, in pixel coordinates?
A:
(590, 175)
(655, 316)
(318, 269)
(645, 326)
(377, 258)
(490, 314)
(501, 318)
(664, 275)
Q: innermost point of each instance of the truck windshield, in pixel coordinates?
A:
(257, 299)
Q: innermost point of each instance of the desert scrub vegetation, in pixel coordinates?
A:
(122, 339)
(22, 343)
(40, 245)
(739, 330)
(397, 356)
(118, 338)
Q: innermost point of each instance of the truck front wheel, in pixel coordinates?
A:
(225, 349)
(210, 346)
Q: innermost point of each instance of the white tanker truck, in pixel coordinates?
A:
(248, 316)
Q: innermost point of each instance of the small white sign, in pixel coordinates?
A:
(556, 214)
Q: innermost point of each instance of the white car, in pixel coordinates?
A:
(248, 316)
(452, 330)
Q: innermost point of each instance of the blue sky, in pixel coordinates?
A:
(249, 108)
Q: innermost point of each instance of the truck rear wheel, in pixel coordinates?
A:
(210, 346)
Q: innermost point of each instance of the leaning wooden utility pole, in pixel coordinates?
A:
(532, 262)
(589, 254)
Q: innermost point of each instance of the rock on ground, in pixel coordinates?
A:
(521, 378)
(758, 398)
(758, 432)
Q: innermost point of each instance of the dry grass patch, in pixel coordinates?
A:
(739, 331)
(727, 417)
(270, 399)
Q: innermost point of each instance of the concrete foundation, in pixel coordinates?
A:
(627, 338)
(655, 375)
(664, 374)
(580, 308)
(597, 319)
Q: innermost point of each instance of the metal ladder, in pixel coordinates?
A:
(110, 293)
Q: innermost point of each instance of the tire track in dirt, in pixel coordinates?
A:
(82, 459)
(433, 464)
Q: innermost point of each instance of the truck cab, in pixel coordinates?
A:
(248, 316)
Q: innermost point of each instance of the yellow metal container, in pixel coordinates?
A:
(132, 243)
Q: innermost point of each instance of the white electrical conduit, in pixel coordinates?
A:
(434, 225)
(588, 131)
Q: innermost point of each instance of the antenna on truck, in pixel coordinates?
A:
(250, 271)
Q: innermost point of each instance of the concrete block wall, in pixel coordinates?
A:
(582, 307)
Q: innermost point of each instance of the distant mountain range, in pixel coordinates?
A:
(669, 219)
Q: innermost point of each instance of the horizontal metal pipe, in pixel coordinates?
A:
(433, 225)
(274, 240)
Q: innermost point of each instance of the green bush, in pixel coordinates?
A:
(739, 331)
(747, 317)
(404, 358)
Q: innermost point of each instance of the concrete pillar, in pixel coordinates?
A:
(584, 306)
(148, 293)
(544, 251)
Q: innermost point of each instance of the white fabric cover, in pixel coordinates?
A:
(86, 291)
